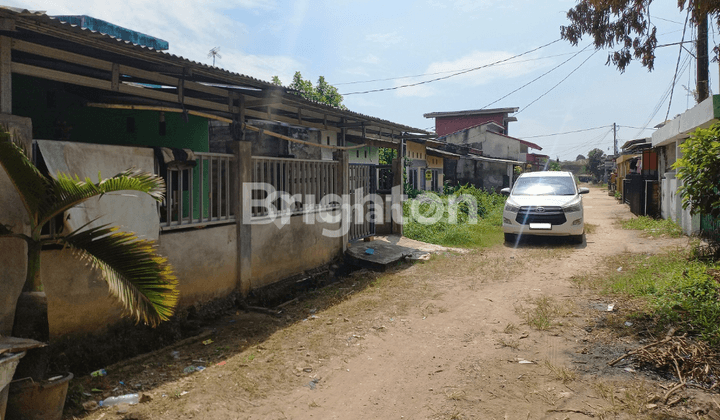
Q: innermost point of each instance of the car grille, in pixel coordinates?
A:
(550, 214)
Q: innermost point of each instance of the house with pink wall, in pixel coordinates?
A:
(454, 121)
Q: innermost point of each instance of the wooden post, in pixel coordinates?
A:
(5, 75)
(243, 174)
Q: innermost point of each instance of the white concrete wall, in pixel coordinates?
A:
(328, 138)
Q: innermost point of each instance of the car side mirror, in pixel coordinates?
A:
(505, 191)
(583, 190)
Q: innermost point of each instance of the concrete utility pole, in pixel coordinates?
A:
(615, 149)
(702, 58)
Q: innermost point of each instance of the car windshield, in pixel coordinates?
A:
(551, 185)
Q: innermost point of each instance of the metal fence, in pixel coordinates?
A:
(312, 180)
(199, 195)
(360, 182)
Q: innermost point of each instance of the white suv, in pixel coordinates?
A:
(544, 203)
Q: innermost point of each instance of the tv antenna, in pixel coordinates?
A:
(215, 52)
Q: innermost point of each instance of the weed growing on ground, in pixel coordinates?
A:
(513, 344)
(653, 227)
(675, 290)
(561, 373)
(543, 315)
(590, 228)
(485, 233)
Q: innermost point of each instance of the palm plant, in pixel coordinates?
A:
(141, 280)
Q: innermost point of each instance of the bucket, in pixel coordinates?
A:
(29, 400)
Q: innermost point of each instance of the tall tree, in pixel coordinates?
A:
(322, 91)
(626, 27)
(595, 160)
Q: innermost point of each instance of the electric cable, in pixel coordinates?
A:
(450, 75)
(537, 78)
(667, 114)
(566, 132)
(558, 83)
(446, 71)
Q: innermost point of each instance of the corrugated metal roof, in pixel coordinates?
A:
(210, 71)
(487, 111)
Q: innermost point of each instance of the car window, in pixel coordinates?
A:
(551, 185)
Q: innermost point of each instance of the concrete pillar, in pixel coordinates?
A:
(243, 174)
(5, 75)
(343, 182)
(397, 191)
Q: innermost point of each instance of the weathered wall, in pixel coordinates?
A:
(364, 155)
(490, 176)
(12, 251)
(279, 252)
(449, 125)
(490, 143)
(204, 261)
(78, 300)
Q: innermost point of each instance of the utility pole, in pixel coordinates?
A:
(702, 58)
(615, 149)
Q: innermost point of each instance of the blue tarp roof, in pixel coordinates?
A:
(108, 28)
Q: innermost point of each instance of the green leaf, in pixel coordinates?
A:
(67, 192)
(31, 185)
(137, 276)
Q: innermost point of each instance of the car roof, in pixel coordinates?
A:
(545, 174)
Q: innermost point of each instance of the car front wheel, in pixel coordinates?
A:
(578, 239)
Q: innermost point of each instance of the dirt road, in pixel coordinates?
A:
(499, 333)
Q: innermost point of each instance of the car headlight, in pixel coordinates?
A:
(573, 207)
(511, 208)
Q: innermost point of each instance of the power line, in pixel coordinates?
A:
(558, 83)
(637, 128)
(444, 72)
(566, 132)
(451, 75)
(677, 64)
(537, 78)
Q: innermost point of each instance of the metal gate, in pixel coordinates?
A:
(360, 180)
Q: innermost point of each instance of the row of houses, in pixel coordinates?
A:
(645, 177)
(86, 97)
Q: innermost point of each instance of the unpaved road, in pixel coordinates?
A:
(437, 340)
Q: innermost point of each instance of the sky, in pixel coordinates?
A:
(366, 45)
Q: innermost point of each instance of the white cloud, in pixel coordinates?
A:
(506, 70)
(390, 38)
(418, 91)
(370, 59)
(191, 27)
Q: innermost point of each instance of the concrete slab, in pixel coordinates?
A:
(385, 251)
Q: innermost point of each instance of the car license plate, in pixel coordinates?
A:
(542, 226)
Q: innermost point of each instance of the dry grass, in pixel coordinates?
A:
(561, 373)
(630, 398)
(590, 228)
(511, 343)
(544, 313)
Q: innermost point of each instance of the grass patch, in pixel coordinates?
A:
(561, 373)
(460, 230)
(543, 315)
(653, 227)
(675, 289)
(590, 228)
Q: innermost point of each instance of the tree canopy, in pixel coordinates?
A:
(595, 161)
(322, 91)
(699, 171)
(626, 27)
